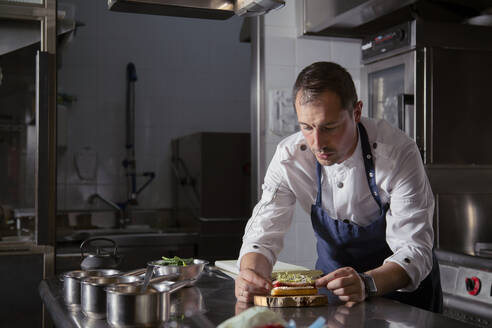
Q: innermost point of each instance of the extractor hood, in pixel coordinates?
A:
(359, 18)
(209, 9)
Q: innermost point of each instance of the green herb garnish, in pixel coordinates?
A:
(293, 277)
(175, 261)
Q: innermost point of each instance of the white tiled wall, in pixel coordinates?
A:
(286, 55)
(193, 75)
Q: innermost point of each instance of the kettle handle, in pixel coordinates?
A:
(86, 243)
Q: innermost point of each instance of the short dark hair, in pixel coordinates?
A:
(322, 76)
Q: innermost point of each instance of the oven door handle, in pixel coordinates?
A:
(404, 100)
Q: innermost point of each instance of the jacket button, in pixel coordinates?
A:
(303, 147)
(406, 259)
(374, 145)
(340, 185)
(255, 246)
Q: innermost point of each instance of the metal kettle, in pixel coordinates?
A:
(98, 256)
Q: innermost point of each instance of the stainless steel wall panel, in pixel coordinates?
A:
(461, 132)
(464, 219)
(460, 179)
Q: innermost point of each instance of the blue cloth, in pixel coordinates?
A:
(342, 243)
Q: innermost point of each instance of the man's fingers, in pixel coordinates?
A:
(323, 281)
(248, 284)
(345, 283)
(244, 296)
(255, 279)
(346, 290)
(340, 282)
(247, 294)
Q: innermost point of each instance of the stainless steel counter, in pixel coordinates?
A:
(212, 299)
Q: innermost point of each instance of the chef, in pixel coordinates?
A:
(365, 187)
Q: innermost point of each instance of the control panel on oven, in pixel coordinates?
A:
(475, 284)
(467, 294)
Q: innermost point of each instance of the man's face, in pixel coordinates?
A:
(329, 130)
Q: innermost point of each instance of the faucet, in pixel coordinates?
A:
(112, 204)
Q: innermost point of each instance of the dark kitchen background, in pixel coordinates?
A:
(193, 77)
(204, 104)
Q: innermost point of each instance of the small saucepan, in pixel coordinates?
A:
(93, 294)
(71, 284)
(128, 305)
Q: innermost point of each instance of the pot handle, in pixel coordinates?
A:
(178, 285)
(86, 243)
(168, 289)
(168, 277)
(136, 272)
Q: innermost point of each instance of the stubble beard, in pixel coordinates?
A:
(326, 162)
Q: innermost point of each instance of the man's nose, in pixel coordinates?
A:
(317, 140)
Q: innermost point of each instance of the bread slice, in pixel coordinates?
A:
(293, 291)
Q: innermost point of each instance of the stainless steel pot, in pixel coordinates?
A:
(71, 284)
(93, 294)
(130, 306)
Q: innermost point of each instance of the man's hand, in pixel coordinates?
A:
(250, 283)
(254, 277)
(345, 283)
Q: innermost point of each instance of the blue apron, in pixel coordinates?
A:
(341, 243)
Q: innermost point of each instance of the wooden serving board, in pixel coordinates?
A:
(291, 301)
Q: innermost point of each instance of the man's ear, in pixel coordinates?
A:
(357, 111)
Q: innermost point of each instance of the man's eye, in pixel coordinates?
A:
(327, 129)
(306, 128)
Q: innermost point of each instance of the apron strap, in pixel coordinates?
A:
(318, 175)
(370, 168)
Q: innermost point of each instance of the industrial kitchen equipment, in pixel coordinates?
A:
(431, 79)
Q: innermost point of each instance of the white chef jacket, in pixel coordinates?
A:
(400, 178)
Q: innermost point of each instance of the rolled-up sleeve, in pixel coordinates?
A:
(409, 231)
(272, 216)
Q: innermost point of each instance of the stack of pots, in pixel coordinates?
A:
(120, 298)
(93, 293)
(129, 305)
(72, 284)
(124, 299)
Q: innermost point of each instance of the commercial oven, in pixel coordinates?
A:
(432, 80)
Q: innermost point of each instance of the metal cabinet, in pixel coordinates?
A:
(22, 269)
(27, 156)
